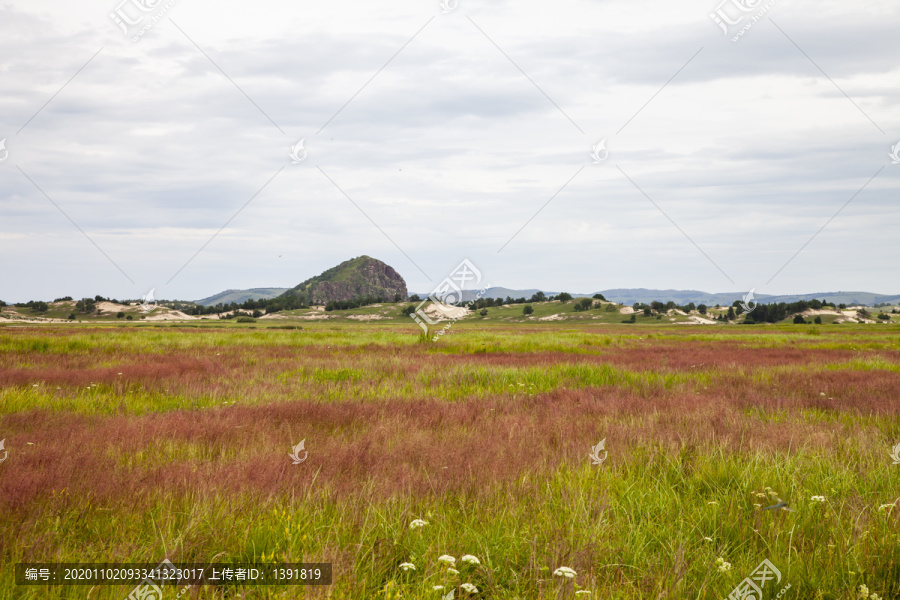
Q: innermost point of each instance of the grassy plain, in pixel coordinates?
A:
(131, 444)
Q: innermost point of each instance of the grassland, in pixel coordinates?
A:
(134, 443)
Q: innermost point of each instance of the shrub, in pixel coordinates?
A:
(599, 297)
(72, 317)
(798, 320)
(884, 317)
(647, 311)
(246, 320)
(129, 318)
(817, 320)
(408, 310)
(483, 312)
(527, 309)
(120, 315)
(564, 297)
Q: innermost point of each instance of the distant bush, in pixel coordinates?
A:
(415, 298)
(817, 320)
(72, 317)
(408, 310)
(120, 315)
(884, 317)
(64, 299)
(129, 318)
(610, 308)
(701, 309)
(647, 311)
(599, 297)
(633, 319)
(564, 297)
(527, 309)
(799, 320)
(246, 320)
(483, 312)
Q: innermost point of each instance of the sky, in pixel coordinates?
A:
(572, 145)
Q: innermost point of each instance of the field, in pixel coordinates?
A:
(138, 443)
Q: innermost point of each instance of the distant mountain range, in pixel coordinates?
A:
(629, 296)
(366, 276)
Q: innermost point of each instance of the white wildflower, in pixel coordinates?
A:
(817, 498)
(468, 587)
(564, 572)
(863, 592)
(446, 558)
(438, 588)
(452, 571)
(472, 560)
(418, 523)
(407, 566)
(722, 565)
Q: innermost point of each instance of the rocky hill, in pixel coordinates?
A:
(360, 277)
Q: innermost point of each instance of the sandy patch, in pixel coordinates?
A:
(314, 317)
(695, 320)
(626, 310)
(675, 311)
(556, 317)
(438, 311)
(274, 316)
(168, 315)
(812, 312)
(375, 317)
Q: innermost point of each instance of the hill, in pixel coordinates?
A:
(238, 296)
(361, 277)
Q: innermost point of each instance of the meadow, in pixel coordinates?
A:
(138, 443)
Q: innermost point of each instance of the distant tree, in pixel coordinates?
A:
(842, 306)
(647, 311)
(817, 320)
(748, 320)
(415, 298)
(538, 297)
(731, 314)
(611, 307)
(129, 318)
(884, 317)
(632, 319)
(408, 310)
(690, 307)
(120, 315)
(64, 299)
(257, 314)
(583, 304)
(799, 320)
(527, 309)
(396, 297)
(483, 312)
(702, 309)
(72, 316)
(599, 297)
(657, 306)
(564, 297)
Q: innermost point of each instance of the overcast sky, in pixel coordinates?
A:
(435, 134)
